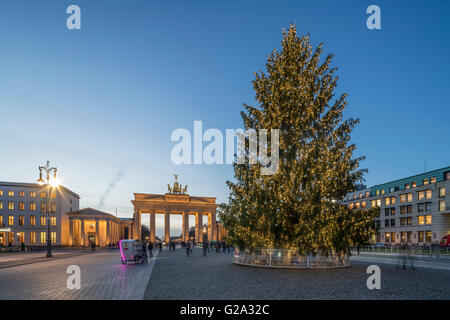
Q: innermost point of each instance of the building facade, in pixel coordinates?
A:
(24, 213)
(413, 210)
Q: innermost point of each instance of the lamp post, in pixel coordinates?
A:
(49, 183)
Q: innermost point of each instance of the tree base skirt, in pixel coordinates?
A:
(285, 259)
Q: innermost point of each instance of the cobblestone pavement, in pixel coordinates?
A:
(102, 277)
(176, 276)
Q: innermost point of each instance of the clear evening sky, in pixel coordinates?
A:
(101, 103)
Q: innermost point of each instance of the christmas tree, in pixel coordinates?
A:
(299, 207)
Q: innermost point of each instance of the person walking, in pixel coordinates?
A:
(205, 248)
(150, 249)
(191, 246)
(160, 247)
(188, 248)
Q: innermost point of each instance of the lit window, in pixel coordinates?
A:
(377, 192)
(433, 180)
(428, 236)
(1, 224)
(392, 211)
(402, 210)
(442, 205)
(373, 203)
(21, 237)
(428, 219)
(53, 207)
(387, 201)
(11, 205)
(414, 184)
(21, 220)
(53, 237)
(407, 185)
(410, 199)
(429, 194)
(442, 192)
(43, 195)
(11, 193)
(42, 207)
(363, 204)
(421, 220)
(32, 206)
(1, 205)
(367, 194)
(32, 194)
(10, 220)
(21, 194)
(421, 237)
(393, 200)
(382, 191)
(409, 209)
(43, 237)
(32, 220)
(357, 204)
(32, 237)
(379, 202)
(53, 221)
(403, 237)
(360, 195)
(421, 195)
(402, 198)
(54, 195)
(43, 221)
(21, 206)
(425, 182)
(1, 192)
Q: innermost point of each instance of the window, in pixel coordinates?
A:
(433, 179)
(53, 221)
(429, 194)
(413, 184)
(428, 219)
(410, 197)
(377, 192)
(402, 209)
(409, 221)
(21, 220)
(43, 237)
(32, 237)
(393, 200)
(378, 224)
(442, 192)
(373, 203)
(43, 221)
(360, 195)
(367, 194)
(409, 209)
(10, 220)
(363, 204)
(21, 237)
(11, 193)
(32, 194)
(1, 205)
(379, 202)
(386, 223)
(421, 220)
(1, 224)
(53, 207)
(392, 222)
(53, 237)
(408, 236)
(386, 212)
(392, 211)
(421, 195)
(447, 175)
(43, 195)
(402, 198)
(407, 185)
(42, 207)
(1, 192)
(387, 237)
(442, 205)
(21, 206)
(387, 201)
(21, 194)
(11, 205)
(428, 206)
(53, 195)
(32, 220)
(403, 236)
(428, 236)
(425, 182)
(350, 205)
(402, 221)
(421, 207)
(382, 191)
(420, 233)
(32, 206)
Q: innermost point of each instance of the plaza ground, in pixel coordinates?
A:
(172, 275)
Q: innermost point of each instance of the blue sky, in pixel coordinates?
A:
(105, 99)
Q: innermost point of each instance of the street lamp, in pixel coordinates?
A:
(49, 183)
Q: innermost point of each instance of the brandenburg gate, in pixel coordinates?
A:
(175, 201)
